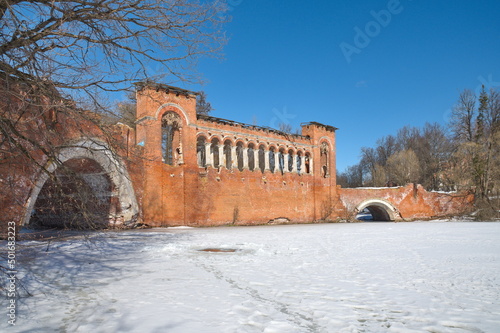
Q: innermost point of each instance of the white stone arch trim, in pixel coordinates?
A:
(158, 112)
(99, 152)
(325, 138)
(391, 210)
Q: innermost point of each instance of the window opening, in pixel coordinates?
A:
(251, 157)
(201, 152)
(227, 154)
(324, 149)
(170, 138)
(262, 158)
(239, 155)
(281, 160)
(272, 159)
(290, 160)
(214, 150)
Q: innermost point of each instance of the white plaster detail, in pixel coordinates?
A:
(98, 151)
(177, 106)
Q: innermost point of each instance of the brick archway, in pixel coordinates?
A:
(100, 153)
(381, 210)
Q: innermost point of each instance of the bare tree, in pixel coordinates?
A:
(404, 167)
(202, 105)
(352, 177)
(463, 115)
(59, 60)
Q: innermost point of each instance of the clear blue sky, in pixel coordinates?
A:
(287, 61)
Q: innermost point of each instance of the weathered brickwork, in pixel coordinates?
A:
(180, 168)
(222, 172)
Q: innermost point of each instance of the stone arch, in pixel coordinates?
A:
(381, 210)
(170, 107)
(218, 137)
(99, 152)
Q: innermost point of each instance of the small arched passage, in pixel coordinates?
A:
(114, 191)
(380, 210)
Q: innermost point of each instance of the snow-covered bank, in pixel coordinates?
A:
(362, 277)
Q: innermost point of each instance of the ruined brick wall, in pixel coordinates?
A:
(41, 132)
(214, 193)
(186, 169)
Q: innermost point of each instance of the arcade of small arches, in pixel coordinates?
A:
(238, 155)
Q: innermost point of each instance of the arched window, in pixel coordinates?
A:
(290, 160)
(307, 163)
(214, 150)
(251, 157)
(170, 138)
(239, 155)
(227, 154)
(324, 155)
(201, 152)
(299, 162)
(272, 159)
(262, 158)
(281, 160)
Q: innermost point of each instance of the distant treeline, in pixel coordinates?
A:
(463, 155)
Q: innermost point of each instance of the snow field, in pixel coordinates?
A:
(361, 277)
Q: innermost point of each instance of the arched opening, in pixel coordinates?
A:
(251, 157)
(78, 195)
(262, 158)
(307, 163)
(201, 152)
(171, 138)
(376, 210)
(324, 160)
(239, 155)
(272, 159)
(281, 160)
(214, 150)
(227, 154)
(290, 160)
(299, 162)
(87, 171)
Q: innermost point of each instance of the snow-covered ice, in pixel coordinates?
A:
(359, 277)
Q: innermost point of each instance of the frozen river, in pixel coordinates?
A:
(360, 277)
